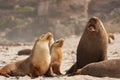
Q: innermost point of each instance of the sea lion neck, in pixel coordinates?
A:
(37, 47)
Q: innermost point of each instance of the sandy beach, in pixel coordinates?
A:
(9, 54)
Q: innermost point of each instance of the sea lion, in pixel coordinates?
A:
(110, 38)
(24, 52)
(36, 64)
(107, 68)
(92, 46)
(28, 51)
(56, 56)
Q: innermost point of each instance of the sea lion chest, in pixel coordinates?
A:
(91, 48)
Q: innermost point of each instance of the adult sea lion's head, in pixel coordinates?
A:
(94, 25)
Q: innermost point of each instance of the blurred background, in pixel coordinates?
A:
(24, 20)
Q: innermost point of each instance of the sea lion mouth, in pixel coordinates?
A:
(49, 35)
(92, 28)
(92, 24)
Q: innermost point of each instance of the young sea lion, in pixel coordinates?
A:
(107, 68)
(56, 56)
(24, 52)
(28, 51)
(110, 38)
(36, 64)
(92, 46)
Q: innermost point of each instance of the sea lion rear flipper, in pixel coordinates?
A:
(5, 72)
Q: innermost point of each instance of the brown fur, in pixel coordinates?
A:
(72, 70)
(56, 56)
(110, 37)
(36, 64)
(108, 68)
(25, 52)
(92, 46)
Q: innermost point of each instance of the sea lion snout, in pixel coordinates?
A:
(49, 35)
(91, 28)
(61, 42)
(92, 24)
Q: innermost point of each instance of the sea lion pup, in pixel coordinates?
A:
(92, 46)
(36, 64)
(110, 38)
(107, 68)
(28, 51)
(56, 56)
(24, 52)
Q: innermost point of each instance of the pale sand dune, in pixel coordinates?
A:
(69, 51)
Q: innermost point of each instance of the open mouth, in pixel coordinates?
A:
(92, 28)
(93, 25)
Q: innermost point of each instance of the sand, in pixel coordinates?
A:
(8, 54)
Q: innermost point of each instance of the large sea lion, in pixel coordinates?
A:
(36, 64)
(92, 46)
(107, 68)
(56, 56)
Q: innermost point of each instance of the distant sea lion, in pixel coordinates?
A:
(92, 46)
(56, 56)
(25, 52)
(110, 37)
(28, 51)
(36, 64)
(107, 68)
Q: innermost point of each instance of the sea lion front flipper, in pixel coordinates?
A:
(72, 69)
(49, 73)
